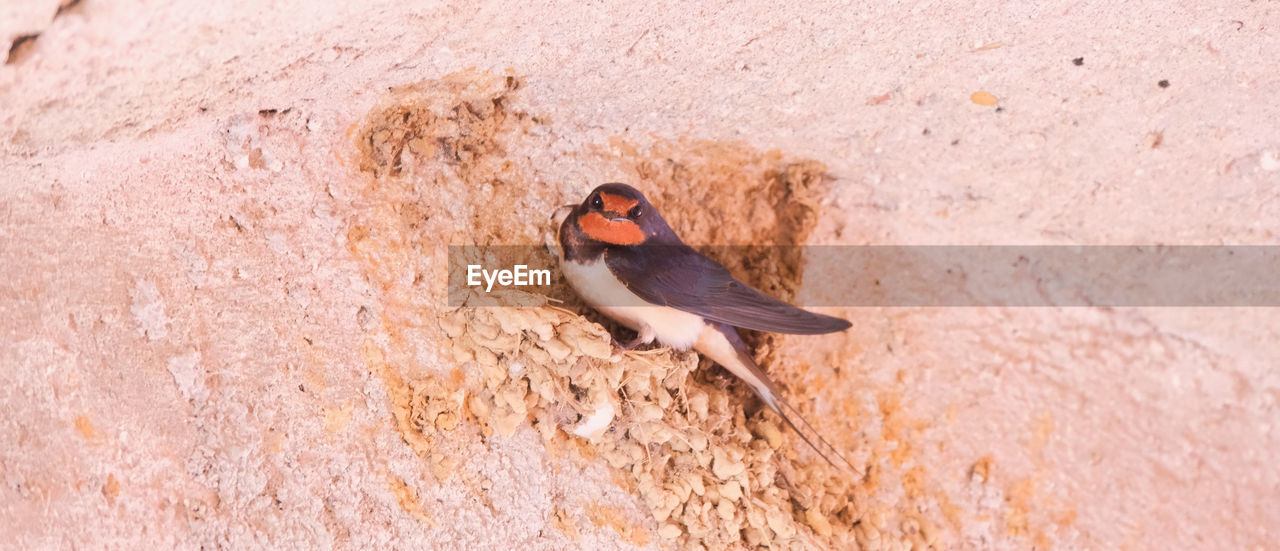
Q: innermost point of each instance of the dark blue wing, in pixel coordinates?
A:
(684, 279)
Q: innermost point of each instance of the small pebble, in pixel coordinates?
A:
(725, 468)
(983, 97)
(670, 531)
(771, 434)
(816, 520)
(731, 490)
(725, 509)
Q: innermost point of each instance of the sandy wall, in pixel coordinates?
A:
(223, 231)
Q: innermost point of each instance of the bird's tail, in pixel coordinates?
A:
(731, 353)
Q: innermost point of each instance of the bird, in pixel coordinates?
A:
(625, 261)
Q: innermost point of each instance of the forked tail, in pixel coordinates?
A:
(787, 418)
(722, 344)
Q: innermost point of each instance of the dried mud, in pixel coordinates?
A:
(712, 466)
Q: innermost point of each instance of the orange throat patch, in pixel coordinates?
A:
(621, 232)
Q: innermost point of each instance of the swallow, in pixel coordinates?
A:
(626, 262)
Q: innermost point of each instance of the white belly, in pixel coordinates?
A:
(599, 288)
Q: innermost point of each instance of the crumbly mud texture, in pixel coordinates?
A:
(712, 467)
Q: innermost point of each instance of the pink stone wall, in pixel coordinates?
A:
(222, 319)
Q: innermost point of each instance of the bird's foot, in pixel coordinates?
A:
(628, 345)
(642, 337)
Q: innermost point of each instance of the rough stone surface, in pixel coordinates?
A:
(222, 266)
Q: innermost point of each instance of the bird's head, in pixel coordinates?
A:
(618, 214)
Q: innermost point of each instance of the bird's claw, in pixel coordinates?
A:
(628, 345)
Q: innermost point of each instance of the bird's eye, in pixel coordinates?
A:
(597, 202)
(635, 212)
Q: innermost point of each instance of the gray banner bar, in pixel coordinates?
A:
(938, 276)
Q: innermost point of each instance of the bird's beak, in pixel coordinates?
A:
(561, 213)
(558, 215)
(550, 238)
